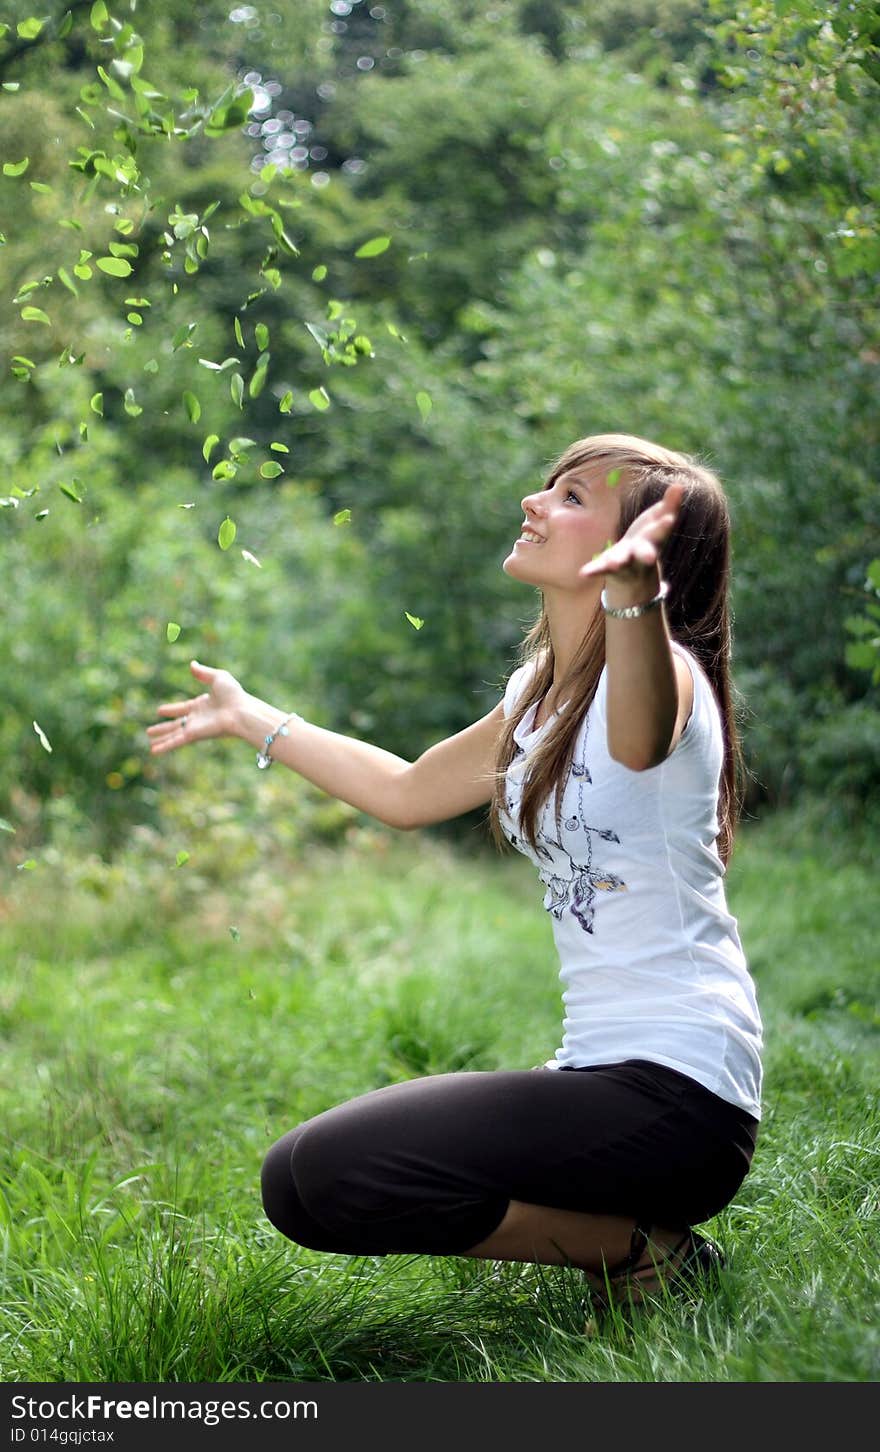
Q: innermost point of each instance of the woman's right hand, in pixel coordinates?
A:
(214, 713)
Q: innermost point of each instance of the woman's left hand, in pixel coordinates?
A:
(634, 558)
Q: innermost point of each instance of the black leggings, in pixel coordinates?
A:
(429, 1166)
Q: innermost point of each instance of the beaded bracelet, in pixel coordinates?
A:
(632, 612)
(264, 760)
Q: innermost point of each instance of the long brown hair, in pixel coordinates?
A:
(695, 561)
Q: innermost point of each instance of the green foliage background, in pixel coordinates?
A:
(657, 216)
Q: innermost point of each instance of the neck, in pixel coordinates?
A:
(568, 616)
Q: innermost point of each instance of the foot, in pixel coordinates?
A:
(675, 1265)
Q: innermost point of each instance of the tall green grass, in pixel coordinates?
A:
(161, 1026)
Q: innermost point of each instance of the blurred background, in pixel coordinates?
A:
(348, 277)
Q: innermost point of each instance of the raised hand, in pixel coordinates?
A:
(633, 559)
(211, 714)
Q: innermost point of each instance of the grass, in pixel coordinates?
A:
(159, 1031)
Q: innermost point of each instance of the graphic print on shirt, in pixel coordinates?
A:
(570, 884)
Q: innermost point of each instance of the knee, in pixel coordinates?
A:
(281, 1200)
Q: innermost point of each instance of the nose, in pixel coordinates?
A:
(529, 502)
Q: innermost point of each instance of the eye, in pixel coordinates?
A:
(571, 495)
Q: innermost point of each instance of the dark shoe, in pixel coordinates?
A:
(648, 1271)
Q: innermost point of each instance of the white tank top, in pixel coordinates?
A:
(650, 958)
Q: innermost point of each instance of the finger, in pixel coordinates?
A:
(203, 672)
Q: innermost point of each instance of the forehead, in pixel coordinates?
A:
(584, 475)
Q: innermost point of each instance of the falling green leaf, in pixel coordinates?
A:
(16, 168)
(261, 333)
(319, 273)
(424, 403)
(224, 470)
(181, 858)
(67, 281)
(98, 15)
(114, 266)
(29, 29)
(151, 366)
(192, 406)
(234, 932)
(131, 406)
(35, 315)
(343, 516)
(28, 866)
(258, 380)
(236, 389)
(172, 630)
(395, 332)
(280, 448)
(209, 446)
(71, 490)
(42, 736)
(271, 469)
(251, 559)
(226, 533)
(374, 247)
(182, 336)
(414, 620)
(319, 398)
(96, 404)
(239, 336)
(286, 404)
(6, 826)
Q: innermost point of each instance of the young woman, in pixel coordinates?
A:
(611, 762)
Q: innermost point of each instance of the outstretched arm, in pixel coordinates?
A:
(650, 689)
(448, 779)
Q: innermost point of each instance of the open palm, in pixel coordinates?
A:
(634, 556)
(201, 717)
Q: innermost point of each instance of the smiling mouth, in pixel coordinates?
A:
(528, 536)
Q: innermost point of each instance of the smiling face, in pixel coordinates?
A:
(566, 524)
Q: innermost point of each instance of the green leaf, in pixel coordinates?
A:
(29, 29)
(151, 366)
(224, 470)
(16, 168)
(613, 478)
(71, 490)
(67, 281)
(226, 533)
(258, 380)
(279, 448)
(182, 335)
(32, 861)
(234, 932)
(42, 187)
(251, 559)
(114, 266)
(98, 15)
(343, 516)
(209, 446)
(395, 332)
(286, 404)
(236, 389)
(43, 738)
(424, 403)
(374, 247)
(96, 404)
(172, 630)
(132, 408)
(6, 826)
(271, 469)
(319, 273)
(226, 117)
(35, 315)
(319, 398)
(261, 333)
(181, 858)
(192, 406)
(239, 337)
(240, 444)
(414, 620)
